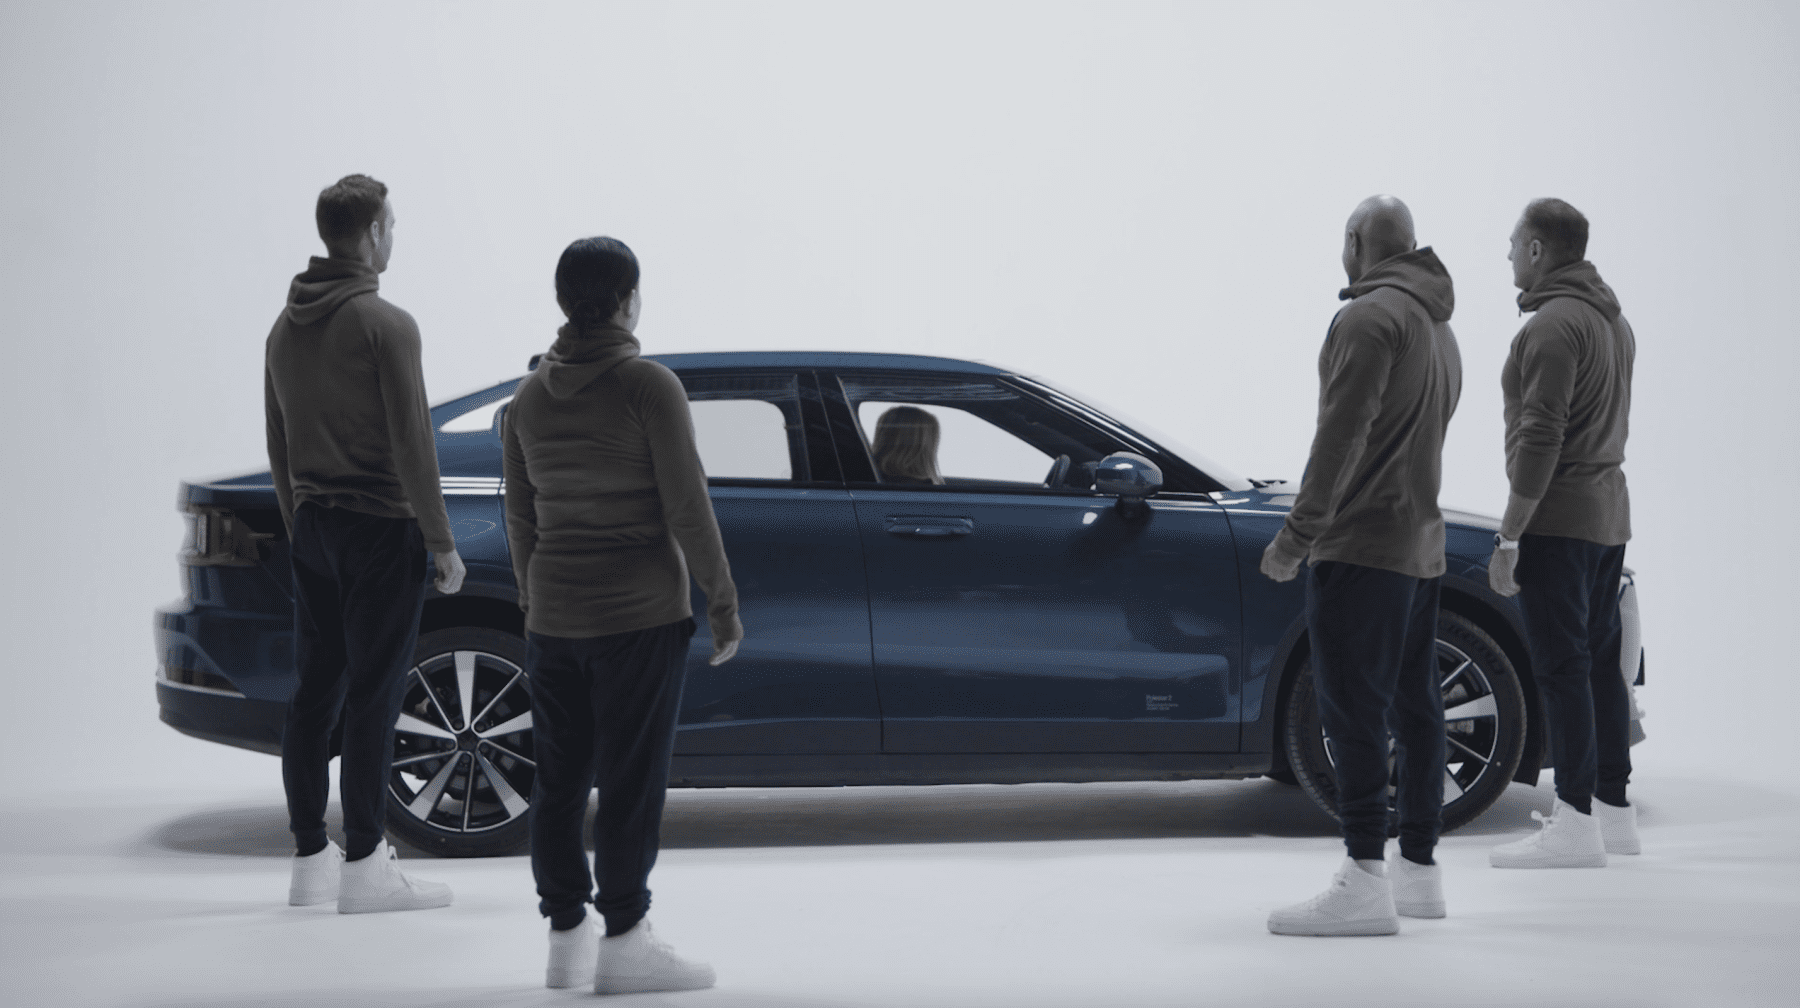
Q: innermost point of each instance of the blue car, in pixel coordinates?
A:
(1076, 600)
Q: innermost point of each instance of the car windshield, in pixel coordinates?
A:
(1230, 479)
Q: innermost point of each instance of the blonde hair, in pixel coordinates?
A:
(906, 443)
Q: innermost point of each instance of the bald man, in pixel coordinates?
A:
(1366, 518)
(1567, 384)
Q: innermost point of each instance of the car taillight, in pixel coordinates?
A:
(217, 538)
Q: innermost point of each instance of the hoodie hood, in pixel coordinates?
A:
(1418, 273)
(325, 286)
(1577, 280)
(580, 356)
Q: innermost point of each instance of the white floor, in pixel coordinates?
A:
(1040, 895)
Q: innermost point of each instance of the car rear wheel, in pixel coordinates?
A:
(463, 764)
(1484, 726)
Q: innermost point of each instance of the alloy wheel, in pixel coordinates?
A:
(1471, 725)
(463, 760)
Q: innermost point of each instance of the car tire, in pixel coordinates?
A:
(1484, 748)
(458, 789)
(1283, 777)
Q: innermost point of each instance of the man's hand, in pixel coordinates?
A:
(450, 571)
(1279, 560)
(723, 650)
(1500, 571)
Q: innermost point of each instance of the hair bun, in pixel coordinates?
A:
(594, 312)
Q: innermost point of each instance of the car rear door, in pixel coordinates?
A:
(802, 680)
(1009, 616)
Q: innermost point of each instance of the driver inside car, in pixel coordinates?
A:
(906, 444)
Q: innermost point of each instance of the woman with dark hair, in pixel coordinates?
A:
(607, 515)
(906, 443)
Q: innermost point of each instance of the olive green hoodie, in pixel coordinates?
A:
(1567, 385)
(606, 503)
(344, 403)
(1390, 375)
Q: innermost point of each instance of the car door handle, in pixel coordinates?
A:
(929, 526)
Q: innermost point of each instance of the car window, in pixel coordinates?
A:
(969, 433)
(968, 447)
(747, 426)
(478, 419)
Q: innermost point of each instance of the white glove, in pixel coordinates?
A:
(1500, 570)
(1279, 560)
(722, 652)
(450, 572)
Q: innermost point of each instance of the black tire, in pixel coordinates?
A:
(1283, 777)
(1484, 749)
(437, 756)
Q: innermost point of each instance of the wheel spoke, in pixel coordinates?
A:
(465, 688)
(515, 805)
(410, 760)
(426, 800)
(430, 694)
(1452, 790)
(510, 725)
(1480, 707)
(1452, 676)
(1466, 749)
(496, 697)
(413, 726)
(509, 752)
(468, 794)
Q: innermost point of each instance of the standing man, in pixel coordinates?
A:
(1367, 515)
(1567, 384)
(354, 464)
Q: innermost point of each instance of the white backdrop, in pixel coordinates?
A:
(1141, 202)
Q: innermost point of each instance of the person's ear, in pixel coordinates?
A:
(1536, 251)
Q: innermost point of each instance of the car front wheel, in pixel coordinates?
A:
(463, 764)
(1484, 726)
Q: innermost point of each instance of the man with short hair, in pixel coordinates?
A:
(352, 457)
(1367, 515)
(1561, 545)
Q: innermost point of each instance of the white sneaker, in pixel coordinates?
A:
(638, 961)
(315, 877)
(1357, 903)
(1418, 889)
(376, 883)
(1568, 840)
(572, 955)
(1618, 828)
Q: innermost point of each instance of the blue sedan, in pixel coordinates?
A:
(1050, 595)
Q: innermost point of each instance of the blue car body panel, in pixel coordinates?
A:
(1053, 625)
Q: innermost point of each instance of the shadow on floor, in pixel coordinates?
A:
(955, 813)
(497, 997)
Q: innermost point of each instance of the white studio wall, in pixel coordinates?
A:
(1142, 203)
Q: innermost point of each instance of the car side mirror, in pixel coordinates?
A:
(1129, 476)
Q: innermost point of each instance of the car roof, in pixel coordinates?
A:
(822, 358)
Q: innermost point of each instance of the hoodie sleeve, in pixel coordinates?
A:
(662, 404)
(275, 428)
(521, 502)
(1353, 372)
(1546, 360)
(402, 381)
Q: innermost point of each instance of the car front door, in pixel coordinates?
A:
(802, 681)
(1008, 614)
